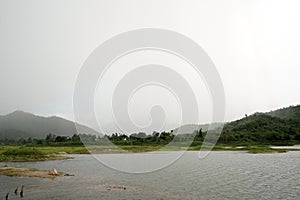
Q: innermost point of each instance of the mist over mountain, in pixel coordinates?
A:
(21, 124)
(279, 124)
(190, 128)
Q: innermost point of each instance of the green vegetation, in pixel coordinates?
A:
(41, 153)
(254, 133)
(289, 113)
(249, 148)
(15, 153)
(257, 129)
(261, 129)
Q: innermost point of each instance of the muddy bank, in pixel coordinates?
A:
(28, 172)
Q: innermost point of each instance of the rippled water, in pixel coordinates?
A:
(221, 175)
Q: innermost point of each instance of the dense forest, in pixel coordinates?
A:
(261, 128)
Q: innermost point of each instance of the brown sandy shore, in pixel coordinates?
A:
(29, 159)
(46, 158)
(27, 172)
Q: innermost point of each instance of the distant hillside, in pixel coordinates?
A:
(291, 112)
(20, 124)
(190, 128)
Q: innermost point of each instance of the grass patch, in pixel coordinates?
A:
(23, 151)
(136, 148)
(41, 153)
(63, 149)
(264, 149)
(26, 154)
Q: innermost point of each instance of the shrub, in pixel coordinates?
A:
(23, 151)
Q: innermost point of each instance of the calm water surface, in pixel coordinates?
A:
(221, 175)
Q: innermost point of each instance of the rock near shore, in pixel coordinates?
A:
(53, 172)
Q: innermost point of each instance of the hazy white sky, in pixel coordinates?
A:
(255, 46)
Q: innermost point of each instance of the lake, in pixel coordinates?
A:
(221, 175)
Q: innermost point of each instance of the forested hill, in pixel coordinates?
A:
(278, 126)
(291, 112)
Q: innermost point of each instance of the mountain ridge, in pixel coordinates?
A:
(279, 124)
(20, 124)
(275, 126)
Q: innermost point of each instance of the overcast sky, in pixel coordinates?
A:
(255, 46)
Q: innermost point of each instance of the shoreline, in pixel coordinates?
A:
(52, 158)
(27, 172)
(50, 153)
